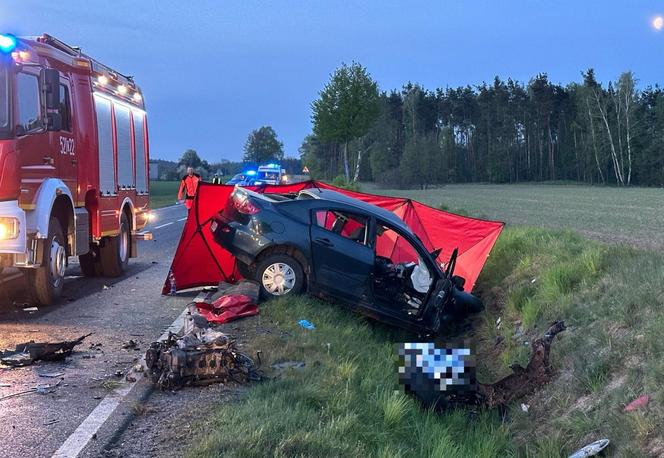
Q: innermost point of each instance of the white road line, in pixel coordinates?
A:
(89, 427)
(164, 225)
(183, 219)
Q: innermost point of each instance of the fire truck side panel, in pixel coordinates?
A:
(85, 147)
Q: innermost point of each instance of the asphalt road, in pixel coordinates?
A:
(114, 311)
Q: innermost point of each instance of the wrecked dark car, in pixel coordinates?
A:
(334, 246)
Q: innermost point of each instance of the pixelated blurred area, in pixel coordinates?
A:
(444, 376)
(436, 375)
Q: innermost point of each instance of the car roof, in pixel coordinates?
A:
(360, 205)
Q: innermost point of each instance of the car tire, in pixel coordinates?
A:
(279, 275)
(46, 282)
(114, 252)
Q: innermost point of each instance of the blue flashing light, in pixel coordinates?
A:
(251, 173)
(7, 43)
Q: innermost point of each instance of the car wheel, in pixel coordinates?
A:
(279, 275)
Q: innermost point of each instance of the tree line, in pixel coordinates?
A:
(503, 132)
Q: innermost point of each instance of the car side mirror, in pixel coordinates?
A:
(435, 253)
(50, 78)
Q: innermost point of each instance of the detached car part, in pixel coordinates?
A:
(28, 352)
(200, 357)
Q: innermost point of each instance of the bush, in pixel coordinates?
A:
(340, 182)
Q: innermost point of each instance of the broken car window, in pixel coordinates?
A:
(346, 224)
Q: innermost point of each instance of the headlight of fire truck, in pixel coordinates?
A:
(8, 228)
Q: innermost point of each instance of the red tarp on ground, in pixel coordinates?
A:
(200, 261)
(227, 308)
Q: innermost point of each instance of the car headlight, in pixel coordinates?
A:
(9, 228)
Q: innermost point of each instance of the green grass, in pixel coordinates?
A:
(163, 193)
(346, 402)
(632, 216)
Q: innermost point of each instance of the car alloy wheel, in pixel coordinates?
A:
(278, 279)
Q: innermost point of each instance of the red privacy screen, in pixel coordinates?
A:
(200, 261)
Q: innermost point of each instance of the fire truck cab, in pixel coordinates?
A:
(73, 164)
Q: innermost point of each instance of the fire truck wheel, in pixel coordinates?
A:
(90, 265)
(46, 281)
(114, 252)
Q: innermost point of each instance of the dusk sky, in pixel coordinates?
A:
(211, 71)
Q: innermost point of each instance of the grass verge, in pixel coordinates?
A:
(346, 402)
(163, 193)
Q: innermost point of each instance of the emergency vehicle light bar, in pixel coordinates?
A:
(7, 43)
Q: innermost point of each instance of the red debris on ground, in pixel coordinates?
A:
(228, 308)
(638, 403)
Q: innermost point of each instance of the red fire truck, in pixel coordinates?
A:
(73, 163)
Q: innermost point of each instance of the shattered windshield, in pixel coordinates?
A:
(4, 102)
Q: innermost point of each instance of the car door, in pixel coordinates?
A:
(342, 259)
(400, 250)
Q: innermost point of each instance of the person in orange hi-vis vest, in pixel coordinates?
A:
(188, 187)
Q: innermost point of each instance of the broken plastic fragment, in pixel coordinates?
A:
(306, 324)
(638, 403)
(289, 365)
(591, 449)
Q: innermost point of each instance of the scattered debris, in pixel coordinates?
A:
(199, 357)
(523, 380)
(51, 374)
(288, 365)
(31, 309)
(243, 288)
(228, 308)
(525, 407)
(105, 287)
(638, 403)
(109, 384)
(51, 422)
(28, 352)
(591, 449)
(131, 344)
(39, 389)
(229, 303)
(306, 324)
(5, 385)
